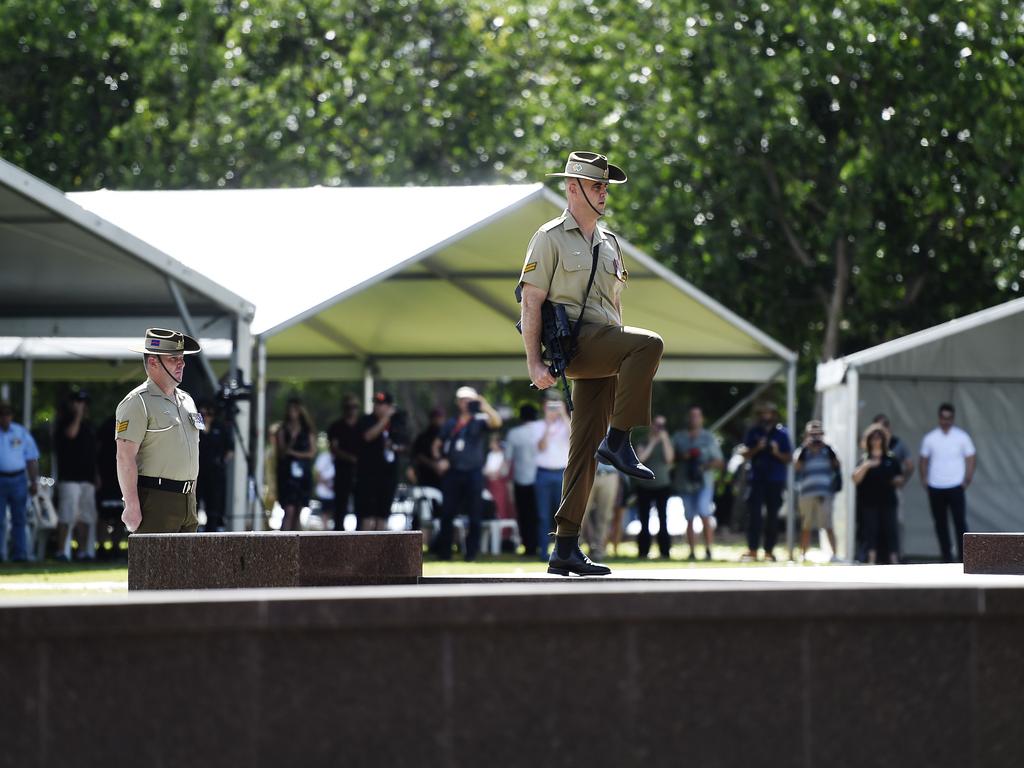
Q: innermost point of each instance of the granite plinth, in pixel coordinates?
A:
(788, 675)
(998, 553)
(272, 559)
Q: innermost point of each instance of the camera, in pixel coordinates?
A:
(474, 406)
(399, 428)
(232, 390)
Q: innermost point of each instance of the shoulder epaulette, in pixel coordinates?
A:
(549, 225)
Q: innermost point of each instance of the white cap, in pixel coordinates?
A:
(466, 392)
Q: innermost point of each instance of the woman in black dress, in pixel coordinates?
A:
(296, 449)
(877, 478)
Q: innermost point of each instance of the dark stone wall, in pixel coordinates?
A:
(273, 559)
(605, 674)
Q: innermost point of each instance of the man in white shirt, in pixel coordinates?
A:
(521, 455)
(552, 435)
(947, 467)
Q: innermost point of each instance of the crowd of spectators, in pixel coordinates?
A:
(466, 469)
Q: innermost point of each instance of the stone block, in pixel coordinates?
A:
(996, 553)
(272, 559)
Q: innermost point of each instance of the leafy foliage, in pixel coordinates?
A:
(838, 173)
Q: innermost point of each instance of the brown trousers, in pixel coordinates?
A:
(166, 512)
(612, 375)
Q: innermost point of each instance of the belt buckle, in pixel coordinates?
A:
(186, 487)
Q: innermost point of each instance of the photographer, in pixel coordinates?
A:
(769, 451)
(383, 436)
(463, 443)
(817, 468)
(658, 455)
(698, 457)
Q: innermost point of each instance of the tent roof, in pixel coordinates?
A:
(417, 281)
(63, 358)
(967, 347)
(77, 274)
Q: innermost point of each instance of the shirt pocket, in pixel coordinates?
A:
(576, 262)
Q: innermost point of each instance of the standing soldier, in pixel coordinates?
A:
(574, 262)
(157, 431)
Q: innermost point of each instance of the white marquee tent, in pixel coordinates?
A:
(969, 362)
(414, 282)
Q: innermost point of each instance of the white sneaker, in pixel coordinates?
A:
(835, 559)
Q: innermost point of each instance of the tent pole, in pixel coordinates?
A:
(850, 507)
(368, 387)
(260, 437)
(26, 401)
(790, 470)
(186, 319)
(239, 496)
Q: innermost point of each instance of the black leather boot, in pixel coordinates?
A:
(574, 561)
(624, 460)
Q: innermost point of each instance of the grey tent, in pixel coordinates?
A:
(71, 276)
(968, 362)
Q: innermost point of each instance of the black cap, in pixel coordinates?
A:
(80, 394)
(383, 397)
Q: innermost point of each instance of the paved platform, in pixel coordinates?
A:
(935, 575)
(786, 666)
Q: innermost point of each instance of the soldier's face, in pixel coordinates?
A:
(595, 191)
(176, 365)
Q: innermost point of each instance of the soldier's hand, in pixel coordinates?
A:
(132, 517)
(541, 376)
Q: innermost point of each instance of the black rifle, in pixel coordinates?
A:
(558, 342)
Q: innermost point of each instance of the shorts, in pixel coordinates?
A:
(76, 503)
(815, 512)
(698, 503)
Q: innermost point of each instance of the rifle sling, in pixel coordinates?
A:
(579, 321)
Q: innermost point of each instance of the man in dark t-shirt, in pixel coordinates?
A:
(769, 450)
(215, 452)
(463, 443)
(75, 447)
(345, 442)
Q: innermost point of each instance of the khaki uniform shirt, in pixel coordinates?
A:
(558, 261)
(166, 429)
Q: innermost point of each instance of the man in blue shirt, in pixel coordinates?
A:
(769, 450)
(19, 475)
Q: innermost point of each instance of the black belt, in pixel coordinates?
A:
(15, 473)
(163, 484)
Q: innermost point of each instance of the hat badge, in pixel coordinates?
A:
(577, 167)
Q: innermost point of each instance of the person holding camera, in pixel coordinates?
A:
(769, 451)
(574, 262)
(383, 436)
(698, 457)
(878, 477)
(659, 455)
(463, 444)
(817, 469)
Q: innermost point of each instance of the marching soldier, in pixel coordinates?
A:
(157, 431)
(574, 261)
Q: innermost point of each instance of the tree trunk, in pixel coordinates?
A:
(837, 301)
(840, 287)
